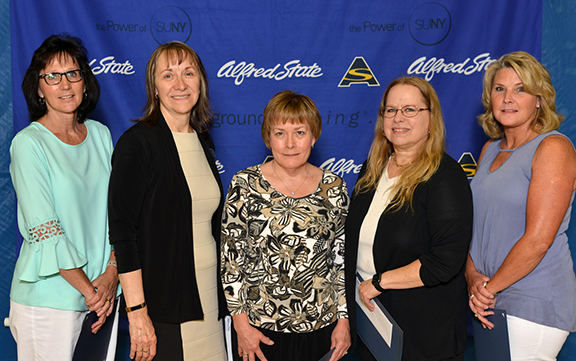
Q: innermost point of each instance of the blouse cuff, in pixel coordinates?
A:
(45, 258)
(342, 309)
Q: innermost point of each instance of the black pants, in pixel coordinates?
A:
(169, 345)
(310, 346)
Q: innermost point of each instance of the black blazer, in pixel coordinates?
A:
(150, 216)
(438, 233)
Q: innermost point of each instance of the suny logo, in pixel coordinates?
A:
(358, 73)
(170, 23)
(430, 23)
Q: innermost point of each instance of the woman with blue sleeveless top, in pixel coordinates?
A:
(523, 191)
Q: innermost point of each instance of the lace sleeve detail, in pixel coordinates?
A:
(48, 250)
(46, 231)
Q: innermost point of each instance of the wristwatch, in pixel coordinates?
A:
(376, 282)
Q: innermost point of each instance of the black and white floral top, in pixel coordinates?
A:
(283, 257)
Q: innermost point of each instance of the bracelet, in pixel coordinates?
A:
(376, 282)
(112, 263)
(495, 294)
(137, 307)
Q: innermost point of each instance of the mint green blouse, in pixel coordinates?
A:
(62, 212)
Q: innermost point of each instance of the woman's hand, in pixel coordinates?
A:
(142, 336)
(478, 295)
(249, 339)
(341, 339)
(102, 302)
(78, 279)
(367, 293)
(105, 286)
(479, 298)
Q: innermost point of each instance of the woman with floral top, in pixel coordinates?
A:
(283, 244)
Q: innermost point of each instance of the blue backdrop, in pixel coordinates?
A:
(340, 53)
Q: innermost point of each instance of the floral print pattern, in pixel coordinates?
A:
(283, 257)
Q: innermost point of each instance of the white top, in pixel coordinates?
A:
(381, 200)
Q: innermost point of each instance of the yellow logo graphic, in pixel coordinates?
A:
(359, 73)
(468, 163)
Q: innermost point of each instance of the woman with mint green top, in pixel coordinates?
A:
(60, 170)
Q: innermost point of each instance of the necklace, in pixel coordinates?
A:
(285, 186)
(519, 144)
(393, 156)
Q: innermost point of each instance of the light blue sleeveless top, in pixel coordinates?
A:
(547, 295)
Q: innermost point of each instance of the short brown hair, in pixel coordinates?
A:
(290, 107)
(536, 81)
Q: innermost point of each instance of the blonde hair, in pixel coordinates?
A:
(536, 81)
(424, 165)
(290, 107)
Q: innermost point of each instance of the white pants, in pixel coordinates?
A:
(48, 334)
(533, 341)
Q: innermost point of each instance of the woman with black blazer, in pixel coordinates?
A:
(409, 226)
(165, 207)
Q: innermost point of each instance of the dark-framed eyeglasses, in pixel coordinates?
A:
(73, 76)
(409, 111)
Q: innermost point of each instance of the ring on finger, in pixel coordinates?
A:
(476, 315)
(246, 355)
(109, 300)
(471, 296)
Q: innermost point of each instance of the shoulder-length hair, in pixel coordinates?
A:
(424, 165)
(290, 107)
(201, 114)
(536, 81)
(58, 47)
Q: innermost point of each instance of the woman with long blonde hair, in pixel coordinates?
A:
(409, 226)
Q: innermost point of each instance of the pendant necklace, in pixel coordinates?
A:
(285, 186)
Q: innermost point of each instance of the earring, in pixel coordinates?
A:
(42, 101)
(85, 94)
(312, 146)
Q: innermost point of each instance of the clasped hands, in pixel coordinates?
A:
(481, 299)
(102, 301)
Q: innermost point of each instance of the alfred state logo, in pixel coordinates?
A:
(468, 164)
(359, 73)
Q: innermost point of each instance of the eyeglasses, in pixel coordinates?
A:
(73, 76)
(409, 111)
